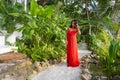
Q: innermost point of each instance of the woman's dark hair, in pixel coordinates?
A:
(75, 22)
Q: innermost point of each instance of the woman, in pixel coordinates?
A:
(71, 44)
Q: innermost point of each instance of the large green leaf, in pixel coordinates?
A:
(34, 8)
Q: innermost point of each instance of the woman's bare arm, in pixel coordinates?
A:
(78, 30)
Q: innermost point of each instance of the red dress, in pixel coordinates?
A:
(72, 51)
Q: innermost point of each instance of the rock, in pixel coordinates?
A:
(88, 60)
(18, 71)
(90, 76)
(21, 78)
(116, 77)
(7, 77)
(37, 64)
(41, 63)
(82, 62)
(62, 59)
(86, 71)
(92, 56)
(54, 61)
(84, 65)
(83, 58)
(34, 72)
(103, 78)
(47, 63)
(30, 77)
(50, 62)
(5, 66)
(58, 60)
(84, 77)
(25, 63)
(44, 65)
(97, 78)
(39, 68)
(89, 57)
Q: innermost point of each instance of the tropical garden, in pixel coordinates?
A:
(44, 24)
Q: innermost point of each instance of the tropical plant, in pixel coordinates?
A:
(8, 22)
(110, 61)
(108, 51)
(43, 32)
(94, 15)
(43, 29)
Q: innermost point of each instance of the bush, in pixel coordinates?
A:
(43, 33)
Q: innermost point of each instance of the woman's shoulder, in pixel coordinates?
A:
(71, 29)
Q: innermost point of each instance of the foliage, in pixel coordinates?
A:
(110, 60)
(43, 30)
(101, 19)
(107, 51)
(43, 33)
(94, 15)
(8, 22)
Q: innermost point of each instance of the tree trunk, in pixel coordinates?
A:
(118, 33)
(88, 17)
(25, 5)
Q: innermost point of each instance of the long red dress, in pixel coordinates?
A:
(72, 50)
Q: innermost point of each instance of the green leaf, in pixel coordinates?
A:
(32, 32)
(28, 16)
(14, 14)
(34, 8)
(49, 11)
(32, 24)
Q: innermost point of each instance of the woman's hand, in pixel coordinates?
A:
(78, 30)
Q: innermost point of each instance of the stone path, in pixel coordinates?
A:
(61, 71)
